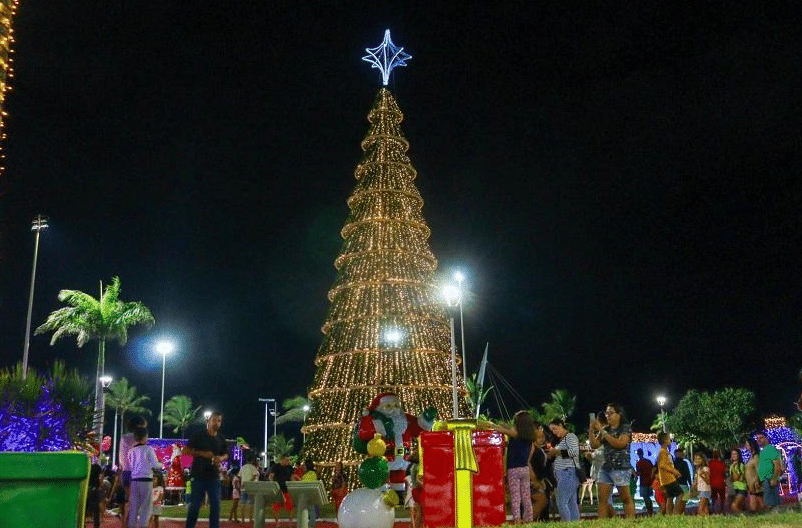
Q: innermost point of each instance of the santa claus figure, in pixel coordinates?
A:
(397, 428)
(175, 475)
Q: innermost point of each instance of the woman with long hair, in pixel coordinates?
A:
(753, 484)
(738, 477)
(617, 468)
(702, 483)
(539, 479)
(566, 461)
(519, 454)
(339, 486)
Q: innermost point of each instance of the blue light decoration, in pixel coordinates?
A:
(787, 442)
(386, 56)
(44, 429)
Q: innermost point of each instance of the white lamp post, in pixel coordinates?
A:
(207, 415)
(306, 411)
(459, 277)
(661, 401)
(452, 295)
(105, 381)
(266, 401)
(163, 348)
(39, 223)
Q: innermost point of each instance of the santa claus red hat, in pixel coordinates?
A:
(379, 399)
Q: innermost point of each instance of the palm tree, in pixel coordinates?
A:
(295, 409)
(90, 319)
(561, 405)
(179, 413)
(278, 446)
(123, 397)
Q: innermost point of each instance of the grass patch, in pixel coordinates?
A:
(788, 519)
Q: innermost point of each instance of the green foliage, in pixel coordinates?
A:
(657, 424)
(123, 397)
(477, 394)
(717, 419)
(294, 410)
(60, 386)
(795, 423)
(561, 406)
(279, 446)
(180, 413)
(88, 319)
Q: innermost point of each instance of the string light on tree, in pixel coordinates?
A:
(387, 328)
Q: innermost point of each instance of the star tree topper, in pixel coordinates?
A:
(386, 56)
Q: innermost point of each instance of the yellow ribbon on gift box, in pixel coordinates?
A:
(464, 465)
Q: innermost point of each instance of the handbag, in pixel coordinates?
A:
(579, 469)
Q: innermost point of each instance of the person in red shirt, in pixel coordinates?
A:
(718, 482)
(645, 470)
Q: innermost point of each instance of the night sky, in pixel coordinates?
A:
(620, 183)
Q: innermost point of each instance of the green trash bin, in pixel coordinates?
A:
(45, 489)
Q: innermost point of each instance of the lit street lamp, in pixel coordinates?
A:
(306, 412)
(39, 224)
(661, 401)
(453, 295)
(163, 348)
(207, 415)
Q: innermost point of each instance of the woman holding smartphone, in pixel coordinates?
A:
(616, 470)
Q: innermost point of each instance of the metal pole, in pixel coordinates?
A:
(114, 447)
(454, 370)
(663, 418)
(38, 224)
(161, 414)
(267, 401)
(462, 344)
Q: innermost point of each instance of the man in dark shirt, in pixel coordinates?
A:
(207, 449)
(682, 465)
(281, 473)
(645, 470)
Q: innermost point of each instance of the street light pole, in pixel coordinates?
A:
(266, 401)
(452, 295)
(39, 223)
(460, 277)
(661, 401)
(105, 381)
(163, 348)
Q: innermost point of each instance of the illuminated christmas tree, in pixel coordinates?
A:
(7, 10)
(387, 329)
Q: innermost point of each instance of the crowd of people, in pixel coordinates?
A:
(137, 487)
(545, 465)
(544, 462)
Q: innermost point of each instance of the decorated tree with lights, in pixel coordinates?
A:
(387, 329)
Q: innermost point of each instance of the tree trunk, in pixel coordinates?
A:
(100, 396)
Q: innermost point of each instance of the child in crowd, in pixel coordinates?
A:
(236, 490)
(702, 483)
(158, 498)
(142, 461)
(738, 477)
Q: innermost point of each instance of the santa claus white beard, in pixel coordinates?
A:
(399, 426)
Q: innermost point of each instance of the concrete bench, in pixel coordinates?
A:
(305, 494)
(263, 493)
